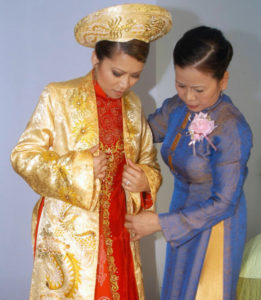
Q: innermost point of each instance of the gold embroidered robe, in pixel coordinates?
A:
(52, 156)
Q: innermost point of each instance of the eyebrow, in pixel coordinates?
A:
(194, 86)
(122, 71)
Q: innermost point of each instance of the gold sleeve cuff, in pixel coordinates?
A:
(154, 178)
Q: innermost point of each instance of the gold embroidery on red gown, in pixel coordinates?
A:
(111, 142)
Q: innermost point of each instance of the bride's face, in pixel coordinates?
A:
(117, 74)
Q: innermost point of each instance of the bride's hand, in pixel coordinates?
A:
(134, 179)
(99, 163)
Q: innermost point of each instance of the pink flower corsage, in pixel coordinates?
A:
(200, 127)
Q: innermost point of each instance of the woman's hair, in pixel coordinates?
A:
(135, 48)
(204, 48)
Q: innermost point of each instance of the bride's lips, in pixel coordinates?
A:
(119, 93)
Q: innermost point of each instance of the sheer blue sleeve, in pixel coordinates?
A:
(158, 121)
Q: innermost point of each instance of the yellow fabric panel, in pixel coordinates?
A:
(211, 279)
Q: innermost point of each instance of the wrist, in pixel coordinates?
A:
(158, 226)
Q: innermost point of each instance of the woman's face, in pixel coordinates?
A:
(197, 89)
(118, 74)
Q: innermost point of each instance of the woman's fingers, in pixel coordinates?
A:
(143, 224)
(128, 221)
(131, 174)
(134, 179)
(127, 184)
(94, 149)
(132, 165)
(99, 164)
(129, 225)
(132, 169)
(101, 175)
(102, 159)
(135, 237)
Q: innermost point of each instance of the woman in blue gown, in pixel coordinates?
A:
(206, 143)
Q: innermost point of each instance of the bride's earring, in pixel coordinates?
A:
(95, 73)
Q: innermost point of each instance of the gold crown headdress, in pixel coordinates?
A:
(122, 23)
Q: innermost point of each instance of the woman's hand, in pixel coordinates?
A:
(134, 179)
(143, 224)
(99, 163)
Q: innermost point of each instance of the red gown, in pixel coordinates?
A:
(115, 271)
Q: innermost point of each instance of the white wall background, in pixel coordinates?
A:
(37, 46)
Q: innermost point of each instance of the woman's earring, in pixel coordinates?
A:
(95, 73)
